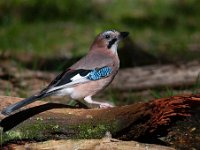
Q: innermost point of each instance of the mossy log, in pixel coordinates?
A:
(42, 120)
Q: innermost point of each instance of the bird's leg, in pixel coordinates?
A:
(77, 103)
(89, 100)
(82, 105)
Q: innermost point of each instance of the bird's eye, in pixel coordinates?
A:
(107, 36)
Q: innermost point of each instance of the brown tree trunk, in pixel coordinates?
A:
(50, 120)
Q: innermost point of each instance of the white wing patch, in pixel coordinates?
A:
(74, 80)
(78, 78)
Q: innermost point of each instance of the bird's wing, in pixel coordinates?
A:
(72, 77)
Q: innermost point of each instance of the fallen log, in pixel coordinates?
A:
(158, 76)
(42, 120)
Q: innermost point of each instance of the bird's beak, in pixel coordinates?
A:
(123, 35)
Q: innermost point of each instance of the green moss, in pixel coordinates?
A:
(34, 130)
(11, 135)
(41, 130)
(1, 136)
(96, 131)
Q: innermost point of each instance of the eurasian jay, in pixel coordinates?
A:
(86, 77)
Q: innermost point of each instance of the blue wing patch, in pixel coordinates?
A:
(100, 73)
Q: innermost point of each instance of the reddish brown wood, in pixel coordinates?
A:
(126, 122)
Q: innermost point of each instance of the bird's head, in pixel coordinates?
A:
(109, 39)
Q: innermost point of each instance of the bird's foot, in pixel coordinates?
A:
(101, 104)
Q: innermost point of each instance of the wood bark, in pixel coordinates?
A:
(42, 120)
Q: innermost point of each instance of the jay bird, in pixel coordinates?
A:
(86, 77)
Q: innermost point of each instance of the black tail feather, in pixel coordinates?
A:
(22, 103)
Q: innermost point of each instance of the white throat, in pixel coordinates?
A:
(114, 48)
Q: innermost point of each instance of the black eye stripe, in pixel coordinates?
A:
(111, 43)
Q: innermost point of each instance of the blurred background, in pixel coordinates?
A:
(40, 38)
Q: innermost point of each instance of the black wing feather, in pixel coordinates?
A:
(65, 77)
